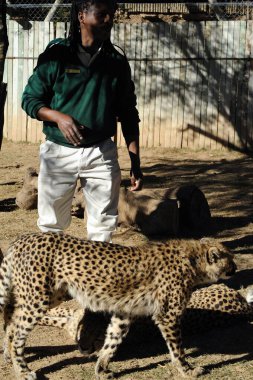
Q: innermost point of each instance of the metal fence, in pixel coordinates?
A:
(194, 81)
(59, 10)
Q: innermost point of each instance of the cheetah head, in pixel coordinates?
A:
(218, 262)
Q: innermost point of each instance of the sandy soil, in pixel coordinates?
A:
(226, 180)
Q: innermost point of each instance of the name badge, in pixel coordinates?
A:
(73, 71)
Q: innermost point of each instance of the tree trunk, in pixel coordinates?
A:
(3, 51)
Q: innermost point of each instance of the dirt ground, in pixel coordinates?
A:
(226, 180)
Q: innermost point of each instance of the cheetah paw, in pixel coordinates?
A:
(189, 372)
(195, 372)
(28, 376)
(198, 371)
(31, 376)
(105, 375)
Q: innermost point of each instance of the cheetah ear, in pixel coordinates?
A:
(212, 255)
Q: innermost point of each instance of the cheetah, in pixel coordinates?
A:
(153, 280)
(216, 306)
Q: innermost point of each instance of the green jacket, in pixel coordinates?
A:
(95, 96)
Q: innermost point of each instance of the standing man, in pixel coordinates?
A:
(79, 89)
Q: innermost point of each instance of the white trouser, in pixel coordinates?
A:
(99, 173)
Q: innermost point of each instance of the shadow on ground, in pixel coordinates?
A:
(8, 205)
(147, 343)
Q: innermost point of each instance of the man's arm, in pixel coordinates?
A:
(129, 117)
(136, 175)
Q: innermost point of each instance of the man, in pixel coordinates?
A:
(79, 88)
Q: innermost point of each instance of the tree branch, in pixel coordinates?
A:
(52, 11)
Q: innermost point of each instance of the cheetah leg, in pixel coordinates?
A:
(62, 317)
(57, 316)
(8, 313)
(60, 312)
(116, 331)
(23, 321)
(66, 318)
(7, 343)
(170, 327)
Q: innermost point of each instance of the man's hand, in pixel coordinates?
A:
(136, 184)
(70, 130)
(136, 178)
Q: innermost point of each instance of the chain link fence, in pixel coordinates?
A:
(59, 10)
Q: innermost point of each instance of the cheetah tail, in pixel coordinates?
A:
(5, 280)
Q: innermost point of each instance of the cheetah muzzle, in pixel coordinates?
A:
(153, 280)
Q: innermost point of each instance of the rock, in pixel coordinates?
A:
(27, 198)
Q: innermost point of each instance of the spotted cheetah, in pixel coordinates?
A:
(153, 280)
(216, 306)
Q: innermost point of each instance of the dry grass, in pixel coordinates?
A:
(226, 179)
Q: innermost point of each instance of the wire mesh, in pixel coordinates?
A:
(59, 10)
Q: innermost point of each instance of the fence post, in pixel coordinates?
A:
(3, 50)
